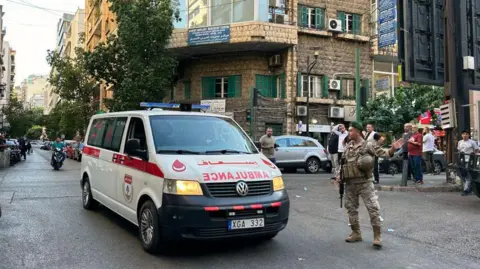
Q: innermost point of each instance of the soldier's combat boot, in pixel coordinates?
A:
(377, 237)
(356, 235)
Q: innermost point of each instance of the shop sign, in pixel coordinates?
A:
(314, 128)
(350, 113)
(216, 105)
(209, 35)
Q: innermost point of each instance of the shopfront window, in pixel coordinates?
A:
(243, 10)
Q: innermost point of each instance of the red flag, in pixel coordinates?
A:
(425, 118)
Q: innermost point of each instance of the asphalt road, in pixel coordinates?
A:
(44, 226)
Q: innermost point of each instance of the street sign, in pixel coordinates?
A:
(382, 84)
(447, 115)
(387, 23)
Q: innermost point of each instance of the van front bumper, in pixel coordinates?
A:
(201, 217)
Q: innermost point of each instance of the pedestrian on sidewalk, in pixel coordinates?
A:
(428, 150)
(268, 145)
(357, 170)
(29, 147)
(466, 146)
(23, 147)
(415, 146)
(373, 137)
(342, 133)
(333, 151)
(406, 136)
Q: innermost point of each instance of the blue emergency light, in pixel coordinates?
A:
(173, 105)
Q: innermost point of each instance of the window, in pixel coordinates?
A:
(188, 90)
(374, 16)
(312, 86)
(271, 86)
(114, 135)
(212, 134)
(243, 10)
(221, 12)
(297, 142)
(136, 130)
(97, 132)
(351, 23)
(221, 87)
(348, 89)
(309, 143)
(311, 17)
(282, 142)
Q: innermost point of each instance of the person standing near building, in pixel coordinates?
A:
(415, 146)
(428, 149)
(340, 131)
(466, 146)
(406, 136)
(268, 146)
(357, 167)
(333, 151)
(372, 137)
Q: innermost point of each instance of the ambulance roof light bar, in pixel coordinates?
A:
(182, 107)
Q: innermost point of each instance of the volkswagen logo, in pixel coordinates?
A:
(242, 188)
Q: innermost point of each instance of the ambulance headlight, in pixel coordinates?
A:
(182, 187)
(278, 184)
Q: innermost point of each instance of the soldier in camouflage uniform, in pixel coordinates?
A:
(357, 173)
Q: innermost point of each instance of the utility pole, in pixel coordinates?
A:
(358, 94)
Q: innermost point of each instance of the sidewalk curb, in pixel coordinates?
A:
(442, 188)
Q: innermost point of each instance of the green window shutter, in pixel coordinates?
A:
(299, 15)
(366, 84)
(357, 24)
(273, 86)
(341, 16)
(188, 90)
(299, 84)
(320, 18)
(208, 87)
(234, 86)
(304, 16)
(340, 93)
(283, 88)
(325, 87)
(264, 84)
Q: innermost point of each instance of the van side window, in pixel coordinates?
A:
(97, 132)
(114, 133)
(136, 130)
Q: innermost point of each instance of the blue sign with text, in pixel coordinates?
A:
(387, 15)
(209, 35)
(386, 4)
(387, 23)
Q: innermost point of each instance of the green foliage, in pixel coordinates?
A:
(136, 62)
(390, 114)
(35, 132)
(70, 80)
(65, 118)
(21, 119)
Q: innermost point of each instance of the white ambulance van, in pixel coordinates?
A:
(181, 175)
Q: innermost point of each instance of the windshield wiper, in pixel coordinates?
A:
(225, 151)
(178, 151)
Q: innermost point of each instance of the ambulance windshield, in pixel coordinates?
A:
(191, 134)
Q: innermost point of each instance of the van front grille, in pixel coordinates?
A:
(228, 189)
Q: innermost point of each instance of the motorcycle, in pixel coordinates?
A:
(58, 158)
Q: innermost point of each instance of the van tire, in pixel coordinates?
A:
(87, 198)
(148, 218)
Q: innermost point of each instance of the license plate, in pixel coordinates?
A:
(245, 224)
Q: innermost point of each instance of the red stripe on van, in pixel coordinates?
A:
(91, 151)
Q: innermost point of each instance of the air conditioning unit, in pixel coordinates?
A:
(336, 112)
(334, 25)
(279, 18)
(275, 60)
(334, 84)
(301, 110)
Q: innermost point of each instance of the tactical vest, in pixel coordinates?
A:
(357, 164)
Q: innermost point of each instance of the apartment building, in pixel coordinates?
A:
(33, 85)
(2, 36)
(100, 23)
(227, 48)
(8, 79)
(70, 31)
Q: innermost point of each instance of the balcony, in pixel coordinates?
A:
(236, 37)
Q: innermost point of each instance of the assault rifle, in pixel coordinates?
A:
(341, 188)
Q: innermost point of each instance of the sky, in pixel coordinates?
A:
(32, 31)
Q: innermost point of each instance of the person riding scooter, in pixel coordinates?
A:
(58, 144)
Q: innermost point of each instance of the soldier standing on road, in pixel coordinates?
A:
(357, 170)
(267, 143)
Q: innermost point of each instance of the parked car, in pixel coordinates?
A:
(70, 150)
(46, 145)
(301, 152)
(394, 164)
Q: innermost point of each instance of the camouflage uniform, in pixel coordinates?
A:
(359, 183)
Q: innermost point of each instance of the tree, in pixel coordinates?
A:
(136, 62)
(64, 119)
(405, 106)
(35, 132)
(70, 80)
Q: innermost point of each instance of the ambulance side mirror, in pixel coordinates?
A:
(132, 148)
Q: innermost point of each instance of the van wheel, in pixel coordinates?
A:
(313, 165)
(149, 228)
(87, 199)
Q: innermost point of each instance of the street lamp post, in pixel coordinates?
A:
(309, 69)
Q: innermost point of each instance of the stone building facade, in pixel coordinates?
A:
(271, 53)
